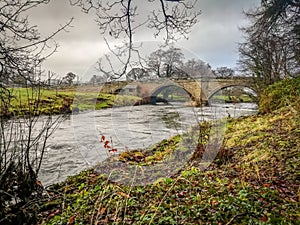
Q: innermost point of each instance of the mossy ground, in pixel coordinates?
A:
(254, 180)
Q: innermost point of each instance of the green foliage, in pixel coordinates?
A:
(280, 94)
(258, 185)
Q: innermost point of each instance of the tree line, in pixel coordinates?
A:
(170, 63)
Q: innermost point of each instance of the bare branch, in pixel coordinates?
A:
(271, 51)
(22, 145)
(120, 20)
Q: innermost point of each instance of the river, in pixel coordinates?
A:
(76, 146)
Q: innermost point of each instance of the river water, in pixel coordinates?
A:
(76, 145)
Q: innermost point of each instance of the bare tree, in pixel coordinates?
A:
(271, 49)
(166, 63)
(197, 68)
(69, 78)
(98, 79)
(22, 49)
(23, 135)
(122, 19)
(224, 72)
(137, 74)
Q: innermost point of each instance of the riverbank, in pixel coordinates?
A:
(254, 179)
(27, 101)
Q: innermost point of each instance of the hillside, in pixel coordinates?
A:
(254, 180)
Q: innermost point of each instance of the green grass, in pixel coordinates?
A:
(254, 179)
(32, 101)
(27, 101)
(257, 184)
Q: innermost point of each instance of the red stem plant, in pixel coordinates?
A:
(106, 144)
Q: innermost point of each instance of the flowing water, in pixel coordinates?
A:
(75, 145)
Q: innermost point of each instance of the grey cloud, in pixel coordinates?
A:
(214, 39)
(216, 35)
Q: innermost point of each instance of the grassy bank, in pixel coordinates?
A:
(254, 180)
(46, 101)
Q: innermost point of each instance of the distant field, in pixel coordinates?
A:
(50, 101)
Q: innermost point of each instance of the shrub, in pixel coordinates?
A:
(280, 94)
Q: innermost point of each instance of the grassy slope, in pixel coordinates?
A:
(259, 184)
(254, 181)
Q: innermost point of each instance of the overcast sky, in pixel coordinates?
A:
(214, 39)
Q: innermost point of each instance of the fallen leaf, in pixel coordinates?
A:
(71, 220)
(264, 219)
(214, 202)
(102, 211)
(123, 194)
(102, 138)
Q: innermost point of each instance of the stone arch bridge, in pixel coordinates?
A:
(200, 90)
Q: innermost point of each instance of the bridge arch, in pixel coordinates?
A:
(200, 91)
(215, 91)
(160, 89)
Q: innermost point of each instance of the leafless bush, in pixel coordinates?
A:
(22, 147)
(22, 139)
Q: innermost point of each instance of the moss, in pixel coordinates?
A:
(280, 94)
(153, 154)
